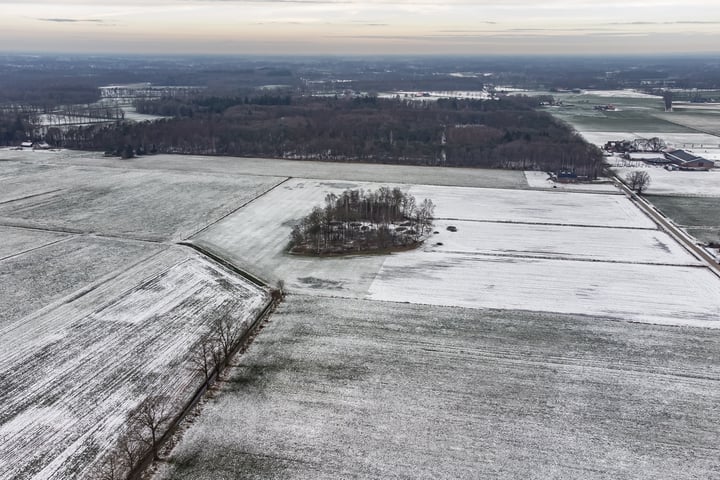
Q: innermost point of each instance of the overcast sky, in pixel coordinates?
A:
(362, 27)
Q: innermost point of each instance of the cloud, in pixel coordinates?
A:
(69, 20)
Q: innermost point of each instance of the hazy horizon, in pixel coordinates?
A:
(346, 27)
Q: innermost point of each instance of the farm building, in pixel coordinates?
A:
(688, 161)
(566, 176)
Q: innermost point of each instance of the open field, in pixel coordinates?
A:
(679, 183)
(603, 255)
(39, 277)
(72, 370)
(698, 142)
(17, 241)
(596, 244)
(700, 216)
(256, 239)
(148, 205)
(537, 179)
(337, 388)
(230, 166)
(637, 292)
(542, 207)
(358, 385)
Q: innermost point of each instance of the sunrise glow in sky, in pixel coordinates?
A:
(362, 27)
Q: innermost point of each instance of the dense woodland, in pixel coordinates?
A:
(503, 133)
(359, 221)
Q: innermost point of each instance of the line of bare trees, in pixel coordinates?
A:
(147, 424)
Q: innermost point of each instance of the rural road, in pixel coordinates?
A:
(678, 234)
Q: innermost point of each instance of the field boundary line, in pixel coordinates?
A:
(664, 223)
(243, 342)
(550, 224)
(571, 259)
(223, 217)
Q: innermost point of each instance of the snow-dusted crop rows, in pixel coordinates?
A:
(596, 244)
(642, 293)
(339, 388)
(71, 371)
(149, 205)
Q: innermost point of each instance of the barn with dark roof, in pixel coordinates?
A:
(688, 161)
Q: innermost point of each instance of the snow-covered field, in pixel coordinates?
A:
(149, 204)
(73, 369)
(629, 291)
(99, 310)
(338, 388)
(256, 239)
(232, 166)
(666, 182)
(694, 141)
(568, 252)
(626, 93)
(595, 244)
(537, 179)
(545, 207)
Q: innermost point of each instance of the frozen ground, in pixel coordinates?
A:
(537, 179)
(256, 238)
(337, 388)
(16, 241)
(544, 207)
(142, 204)
(535, 250)
(230, 166)
(32, 280)
(693, 141)
(72, 370)
(634, 292)
(394, 389)
(665, 182)
(595, 244)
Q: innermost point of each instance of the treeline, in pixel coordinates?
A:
(14, 127)
(180, 107)
(359, 220)
(503, 133)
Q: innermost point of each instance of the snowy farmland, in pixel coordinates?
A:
(604, 256)
(72, 370)
(98, 310)
(338, 388)
(147, 205)
(101, 307)
(666, 182)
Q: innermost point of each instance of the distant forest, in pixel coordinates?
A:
(505, 133)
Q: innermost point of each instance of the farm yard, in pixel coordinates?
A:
(541, 314)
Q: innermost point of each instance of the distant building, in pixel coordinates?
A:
(688, 161)
(566, 176)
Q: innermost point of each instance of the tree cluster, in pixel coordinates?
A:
(503, 133)
(359, 220)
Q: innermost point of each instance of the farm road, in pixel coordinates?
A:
(665, 224)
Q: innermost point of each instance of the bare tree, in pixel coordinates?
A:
(638, 180)
(151, 416)
(203, 357)
(226, 331)
(130, 445)
(110, 468)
